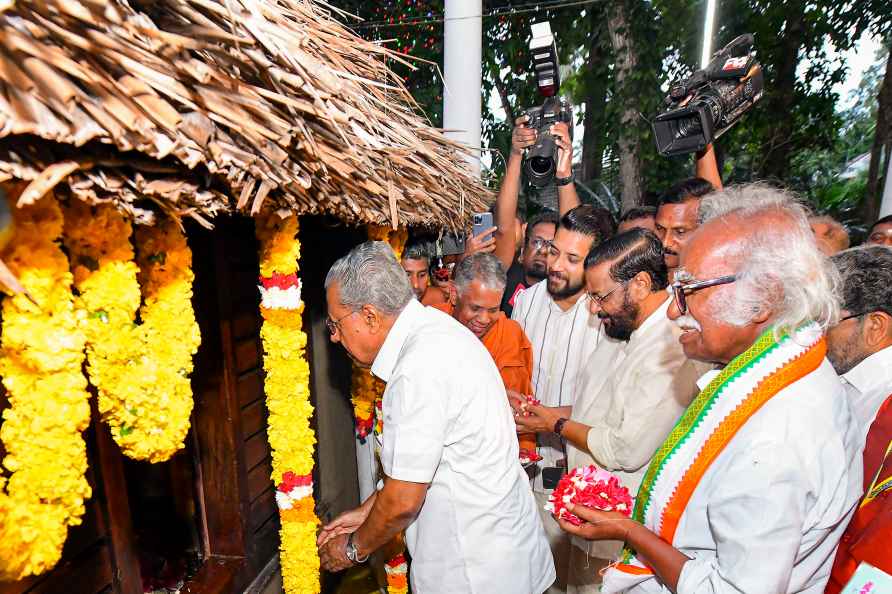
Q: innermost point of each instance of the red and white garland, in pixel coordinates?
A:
(290, 433)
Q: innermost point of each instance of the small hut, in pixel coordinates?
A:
(164, 422)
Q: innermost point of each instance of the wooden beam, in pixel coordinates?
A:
(216, 426)
(122, 545)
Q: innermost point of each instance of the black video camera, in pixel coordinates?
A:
(540, 161)
(704, 105)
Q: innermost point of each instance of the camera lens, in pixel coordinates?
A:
(541, 165)
(688, 127)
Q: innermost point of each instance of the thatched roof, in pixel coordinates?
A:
(206, 106)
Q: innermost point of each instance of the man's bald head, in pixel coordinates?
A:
(831, 235)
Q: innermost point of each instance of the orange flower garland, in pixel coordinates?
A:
(291, 437)
(364, 387)
(367, 391)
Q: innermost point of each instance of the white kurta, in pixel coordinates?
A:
(562, 342)
(447, 422)
(868, 384)
(768, 514)
(631, 395)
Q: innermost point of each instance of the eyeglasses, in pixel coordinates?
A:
(539, 245)
(335, 325)
(599, 299)
(680, 290)
(850, 316)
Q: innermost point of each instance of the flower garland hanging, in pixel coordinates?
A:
(41, 360)
(365, 388)
(368, 393)
(397, 570)
(141, 371)
(287, 386)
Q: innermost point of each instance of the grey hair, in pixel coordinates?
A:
(370, 275)
(781, 267)
(866, 274)
(485, 268)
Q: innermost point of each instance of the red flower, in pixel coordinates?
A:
(282, 281)
(591, 487)
(291, 481)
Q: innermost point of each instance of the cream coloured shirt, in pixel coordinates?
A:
(447, 422)
(562, 342)
(631, 394)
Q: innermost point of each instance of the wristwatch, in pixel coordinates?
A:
(559, 425)
(564, 181)
(352, 552)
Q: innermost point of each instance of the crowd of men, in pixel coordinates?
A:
(726, 355)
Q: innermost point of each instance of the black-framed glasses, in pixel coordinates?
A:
(335, 325)
(850, 316)
(680, 290)
(599, 299)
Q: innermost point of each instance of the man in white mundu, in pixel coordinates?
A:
(752, 490)
(449, 455)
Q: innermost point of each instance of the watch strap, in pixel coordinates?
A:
(564, 181)
(352, 552)
(559, 425)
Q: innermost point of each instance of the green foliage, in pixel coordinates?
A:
(795, 136)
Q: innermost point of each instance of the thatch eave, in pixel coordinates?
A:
(247, 104)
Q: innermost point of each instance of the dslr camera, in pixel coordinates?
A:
(707, 103)
(540, 161)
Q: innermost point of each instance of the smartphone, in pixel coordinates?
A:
(482, 222)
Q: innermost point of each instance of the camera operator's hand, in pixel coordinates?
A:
(561, 133)
(522, 137)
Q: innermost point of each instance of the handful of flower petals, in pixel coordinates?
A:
(592, 487)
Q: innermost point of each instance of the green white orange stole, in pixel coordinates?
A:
(705, 429)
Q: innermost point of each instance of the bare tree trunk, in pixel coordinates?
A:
(628, 143)
(595, 102)
(503, 95)
(776, 156)
(882, 137)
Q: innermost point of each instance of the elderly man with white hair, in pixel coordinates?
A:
(752, 490)
(449, 455)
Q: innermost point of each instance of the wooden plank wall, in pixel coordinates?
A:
(240, 516)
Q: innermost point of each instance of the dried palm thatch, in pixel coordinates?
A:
(209, 106)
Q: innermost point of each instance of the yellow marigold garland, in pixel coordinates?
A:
(141, 371)
(291, 437)
(41, 365)
(365, 388)
(367, 391)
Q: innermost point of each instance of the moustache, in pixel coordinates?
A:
(670, 252)
(687, 322)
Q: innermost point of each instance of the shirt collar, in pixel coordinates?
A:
(387, 357)
(871, 373)
(653, 319)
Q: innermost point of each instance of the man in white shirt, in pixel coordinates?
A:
(633, 388)
(752, 489)
(449, 455)
(860, 345)
(554, 316)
